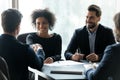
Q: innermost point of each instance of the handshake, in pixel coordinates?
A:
(36, 47)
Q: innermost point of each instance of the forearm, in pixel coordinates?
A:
(56, 57)
(68, 55)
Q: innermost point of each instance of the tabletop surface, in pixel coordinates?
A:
(65, 70)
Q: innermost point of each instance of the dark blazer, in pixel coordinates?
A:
(80, 39)
(109, 67)
(18, 57)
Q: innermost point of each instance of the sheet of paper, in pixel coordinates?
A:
(90, 65)
(64, 63)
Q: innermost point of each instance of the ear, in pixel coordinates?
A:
(18, 30)
(99, 18)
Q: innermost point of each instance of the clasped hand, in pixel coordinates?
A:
(92, 57)
(36, 47)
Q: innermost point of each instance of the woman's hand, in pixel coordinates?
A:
(36, 47)
(48, 60)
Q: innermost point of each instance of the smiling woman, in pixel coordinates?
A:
(70, 14)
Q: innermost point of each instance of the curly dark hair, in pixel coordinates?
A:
(43, 13)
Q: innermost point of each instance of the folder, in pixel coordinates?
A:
(66, 72)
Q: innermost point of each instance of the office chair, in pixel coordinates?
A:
(22, 37)
(4, 73)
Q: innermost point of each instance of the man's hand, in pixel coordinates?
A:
(77, 57)
(36, 47)
(48, 60)
(92, 57)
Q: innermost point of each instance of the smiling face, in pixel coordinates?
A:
(42, 25)
(92, 20)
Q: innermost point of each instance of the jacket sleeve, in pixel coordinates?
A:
(102, 72)
(35, 60)
(108, 41)
(57, 55)
(73, 45)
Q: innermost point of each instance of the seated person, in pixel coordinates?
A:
(17, 55)
(109, 67)
(43, 21)
(91, 40)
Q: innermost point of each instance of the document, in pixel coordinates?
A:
(90, 65)
(64, 63)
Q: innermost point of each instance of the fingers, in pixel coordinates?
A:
(92, 57)
(77, 57)
(48, 60)
(36, 47)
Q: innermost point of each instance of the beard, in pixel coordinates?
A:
(91, 25)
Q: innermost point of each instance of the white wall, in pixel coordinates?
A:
(70, 14)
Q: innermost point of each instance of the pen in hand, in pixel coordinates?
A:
(80, 54)
(78, 50)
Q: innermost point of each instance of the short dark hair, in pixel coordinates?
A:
(43, 13)
(96, 9)
(10, 18)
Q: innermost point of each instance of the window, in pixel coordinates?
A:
(4, 4)
(70, 15)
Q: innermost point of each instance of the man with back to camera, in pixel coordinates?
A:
(90, 40)
(17, 55)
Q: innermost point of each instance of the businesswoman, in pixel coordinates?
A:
(43, 21)
(109, 67)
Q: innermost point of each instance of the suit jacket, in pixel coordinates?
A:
(80, 39)
(18, 57)
(109, 67)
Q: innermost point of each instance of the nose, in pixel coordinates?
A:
(40, 25)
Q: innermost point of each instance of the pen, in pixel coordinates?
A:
(78, 50)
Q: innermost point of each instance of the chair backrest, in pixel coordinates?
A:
(38, 75)
(2, 76)
(22, 37)
(4, 72)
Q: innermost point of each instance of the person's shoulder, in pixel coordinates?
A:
(24, 45)
(104, 27)
(114, 47)
(32, 35)
(56, 35)
(81, 30)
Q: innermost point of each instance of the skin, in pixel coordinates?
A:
(92, 24)
(42, 26)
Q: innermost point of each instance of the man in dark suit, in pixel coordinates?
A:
(109, 67)
(90, 41)
(17, 55)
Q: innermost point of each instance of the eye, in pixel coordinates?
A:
(38, 23)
